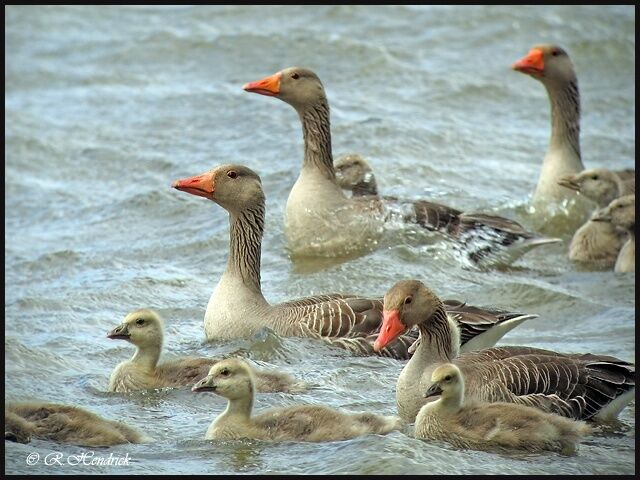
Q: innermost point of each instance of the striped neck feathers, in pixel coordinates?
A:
(316, 131)
(565, 116)
(439, 336)
(245, 245)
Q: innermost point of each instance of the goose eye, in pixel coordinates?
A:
(140, 321)
(232, 174)
(594, 177)
(447, 378)
(295, 76)
(408, 300)
(224, 372)
(555, 52)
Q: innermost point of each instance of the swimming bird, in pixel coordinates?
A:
(321, 221)
(597, 242)
(600, 185)
(622, 213)
(481, 426)
(64, 423)
(487, 239)
(233, 380)
(238, 309)
(144, 328)
(578, 386)
(550, 64)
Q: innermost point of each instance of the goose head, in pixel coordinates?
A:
(407, 304)
(234, 187)
(446, 381)
(354, 173)
(297, 86)
(230, 378)
(548, 63)
(597, 184)
(621, 212)
(144, 328)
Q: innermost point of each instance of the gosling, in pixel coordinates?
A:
(622, 213)
(66, 424)
(487, 426)
(599, 185)
(145, 329)
(234, 380)
(353, 173)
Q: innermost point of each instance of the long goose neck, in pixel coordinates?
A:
(439, 338)
(147, 357)
(245, 245)
(565, 116)
(316, 131)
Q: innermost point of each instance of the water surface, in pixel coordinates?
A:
(106, 106)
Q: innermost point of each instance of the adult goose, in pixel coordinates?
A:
(233, 380)
(484, 426)
(487, 239)
(579, 386)
(551, 65)
(320, 220)
(622, 213)
(145, 329)
(238, 309)
(64, 423)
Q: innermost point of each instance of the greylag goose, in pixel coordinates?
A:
(484, 426)
(321, 220)
(600, 185)
(551, 65)
(144, 328)
(353, 173)
(233, 380)
(237, 308)
(595, 242)
(67, 424)
(486, 238)
(622, 213)
(579, 386)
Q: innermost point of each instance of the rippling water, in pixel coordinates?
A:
(105, 106)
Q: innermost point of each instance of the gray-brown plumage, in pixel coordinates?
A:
(321, 220)
(550, 65)
(233, 380)
(66, 424)
(622, 213)
(485, 238)
(578, 386)
(237, 308)
(485, 426)
(144, 328)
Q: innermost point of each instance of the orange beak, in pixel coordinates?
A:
(532, 63)
(269, 86)
(201, 185)
(391, 329)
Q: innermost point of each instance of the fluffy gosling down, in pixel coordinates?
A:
(487, 426)
(234, 380)
(622, 213)
(67, 424)
(145, 329)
